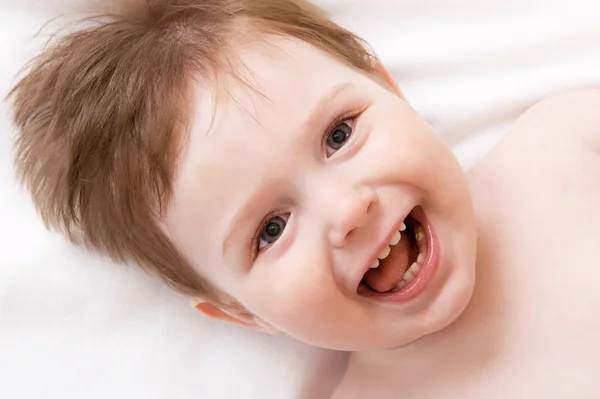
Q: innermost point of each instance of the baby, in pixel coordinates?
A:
(260, 159)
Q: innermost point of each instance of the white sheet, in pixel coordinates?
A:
(74, 326)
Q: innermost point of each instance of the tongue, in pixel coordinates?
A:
(391, 269)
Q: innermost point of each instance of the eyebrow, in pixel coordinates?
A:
(326, 102)
(312, 120)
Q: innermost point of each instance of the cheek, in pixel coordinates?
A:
(425, 157)
(295, 293)
(288, 284)
(402, 146)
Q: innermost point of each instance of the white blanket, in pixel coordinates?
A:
(77, 326)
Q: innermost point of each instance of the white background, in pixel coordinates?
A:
(77, 326)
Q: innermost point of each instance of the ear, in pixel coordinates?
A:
(239, 317)
(387, 77)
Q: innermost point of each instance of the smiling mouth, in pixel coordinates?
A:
(400, 263)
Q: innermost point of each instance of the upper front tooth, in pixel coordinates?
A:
(375, 264)
(395, 238)
(384, 252)
(402, 227)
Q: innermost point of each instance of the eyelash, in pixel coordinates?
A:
(257, 235)
(352, 115)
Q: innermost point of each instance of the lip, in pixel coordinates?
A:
(428, 271)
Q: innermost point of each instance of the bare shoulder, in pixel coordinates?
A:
(565, 118)
(559, 130)
(553, 147)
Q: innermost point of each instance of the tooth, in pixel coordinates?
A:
(401, 285)
(402, 227)
(375, 264)
(395, 238)
(421, 259)
(384, 252)
(408, 276)
(415, 268)
(420, 236)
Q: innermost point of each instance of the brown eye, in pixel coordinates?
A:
(339, 136)
(271, 231)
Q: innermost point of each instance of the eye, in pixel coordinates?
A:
(338, 136)
(271, 231)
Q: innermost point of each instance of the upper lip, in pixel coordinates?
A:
(383, 242)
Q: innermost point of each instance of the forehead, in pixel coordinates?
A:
(279, 84)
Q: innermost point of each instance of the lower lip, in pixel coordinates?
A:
(427, 273)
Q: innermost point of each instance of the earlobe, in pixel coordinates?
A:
(215, 312)
(238, 317)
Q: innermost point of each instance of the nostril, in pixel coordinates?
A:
(351, 214)
(370, 207)
(349, 235)
(340, 239)
(370, 198)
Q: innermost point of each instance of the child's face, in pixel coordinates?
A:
(322, 164)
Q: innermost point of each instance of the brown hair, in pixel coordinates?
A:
(99, 109)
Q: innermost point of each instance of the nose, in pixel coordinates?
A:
(347, 209)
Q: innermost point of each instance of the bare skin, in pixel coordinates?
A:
(309, 182)
(531, 327)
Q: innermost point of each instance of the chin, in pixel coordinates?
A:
(442, 312)
(450, 305)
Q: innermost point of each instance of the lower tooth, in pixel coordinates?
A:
(415, 268)
(408, 276)
(400, 285)
(420, 259)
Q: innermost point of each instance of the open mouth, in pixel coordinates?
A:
(404, 264)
